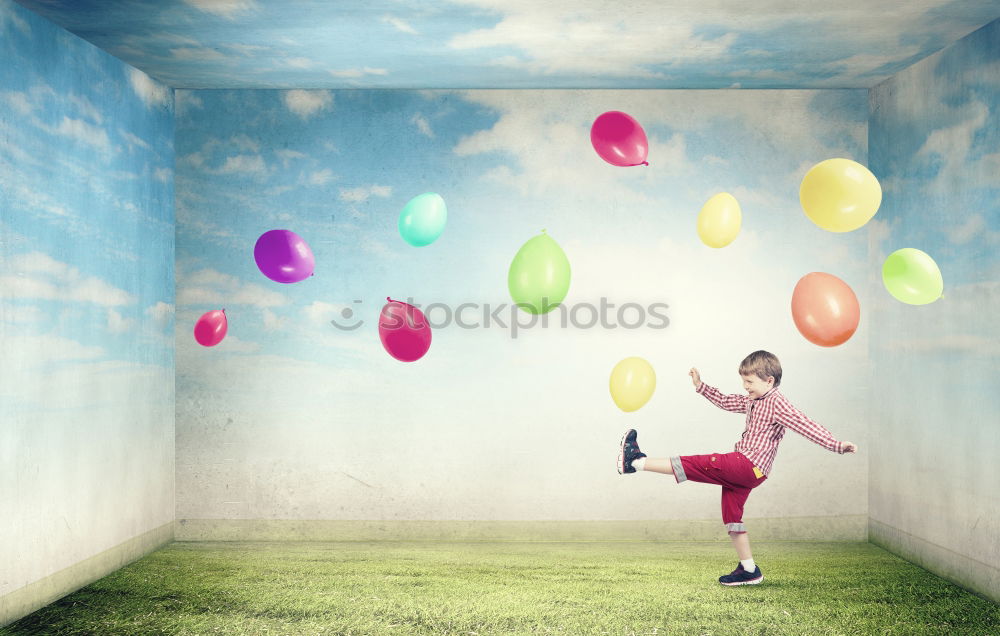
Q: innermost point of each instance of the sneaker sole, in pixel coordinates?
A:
(621, 454)
(750, 582)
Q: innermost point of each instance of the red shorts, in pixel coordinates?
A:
(733, 471)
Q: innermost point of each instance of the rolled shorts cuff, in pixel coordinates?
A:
(738, 528)
(678, 468)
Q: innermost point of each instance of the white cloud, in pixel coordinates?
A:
(16, 20)
(117, 323)
(321, 177)
(149, 90)
(307, 103)
(82, 131)
(21, 314)
(162, 174)
(135, 141)
(28, 351)
(86, 108)
(272, 322)
(363, 193)
(952, 143)
(970, 229)
(211, 287)
(422, 125)
(243, 164)
(185, 101)
(962, 321)
(161, 313)
(18, 101)
(287, 156)
(245, 143)
(595, 38)
(320, 313)
(38, 275)
(354, 73)
(229, 9)
(399, 25)
(197, 54)
(300, 62)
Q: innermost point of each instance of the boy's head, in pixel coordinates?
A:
(761, 372)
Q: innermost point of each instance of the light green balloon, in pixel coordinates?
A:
(539, 275)
(912, 277)
(423, 219)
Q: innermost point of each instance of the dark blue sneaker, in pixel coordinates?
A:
(740, 576)
(629, 452)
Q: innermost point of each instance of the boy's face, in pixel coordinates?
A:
(756, 387)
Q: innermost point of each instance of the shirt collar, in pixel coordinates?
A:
(768, 394)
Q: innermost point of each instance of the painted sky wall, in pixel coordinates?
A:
(935, 143)
(300, 413)
(86, 300)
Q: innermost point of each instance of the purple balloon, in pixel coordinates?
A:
(283, 256)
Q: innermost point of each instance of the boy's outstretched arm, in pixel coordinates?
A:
(734, 403)
(790, 417)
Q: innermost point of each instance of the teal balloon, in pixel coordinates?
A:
(423, 219)
(539, 275)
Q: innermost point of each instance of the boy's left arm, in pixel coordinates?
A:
(790, 417)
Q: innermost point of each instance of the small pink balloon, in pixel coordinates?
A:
(404, 331)
(619, 139)
(211, 328)
(283, 256)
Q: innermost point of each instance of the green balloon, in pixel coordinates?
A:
(539, 275)
(423, 219)
(912, 277)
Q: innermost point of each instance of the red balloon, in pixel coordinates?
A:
(825, 309)
(404, 331)
(211, 328)
(619, 139)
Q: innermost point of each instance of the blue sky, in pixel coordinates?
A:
(503, 44)
(86, 192)
(931, 134)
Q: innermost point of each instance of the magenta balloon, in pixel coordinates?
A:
(619, 139)
(404, 331)
(283, 256)
(211, 328)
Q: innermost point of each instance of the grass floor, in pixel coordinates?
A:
(513, 588)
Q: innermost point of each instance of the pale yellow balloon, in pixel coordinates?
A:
(632, 383)
(840, 195)
(719, 220)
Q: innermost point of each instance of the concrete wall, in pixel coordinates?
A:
(935, 144)
(295, 418)
(86, 312)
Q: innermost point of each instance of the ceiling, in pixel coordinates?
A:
(519, 43)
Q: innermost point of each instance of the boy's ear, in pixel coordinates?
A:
(770, 380)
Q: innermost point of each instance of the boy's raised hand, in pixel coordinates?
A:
(695, 377)
(850, 447)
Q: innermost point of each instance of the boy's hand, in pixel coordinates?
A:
(850, 447)
(695, 377)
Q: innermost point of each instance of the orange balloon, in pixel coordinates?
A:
(825, 309)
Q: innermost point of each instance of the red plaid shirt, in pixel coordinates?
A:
(767, 418)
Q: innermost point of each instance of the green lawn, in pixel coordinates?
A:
(513, 588)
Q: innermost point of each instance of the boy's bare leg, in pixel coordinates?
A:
(658, 465)
(741, 541)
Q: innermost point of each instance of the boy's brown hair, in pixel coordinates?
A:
(762, 364)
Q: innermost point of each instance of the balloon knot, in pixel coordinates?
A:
(644, 163)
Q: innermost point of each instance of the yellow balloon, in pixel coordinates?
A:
(719, 220)
(840, 195)
(632, 383)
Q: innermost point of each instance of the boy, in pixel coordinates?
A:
(768, 415)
